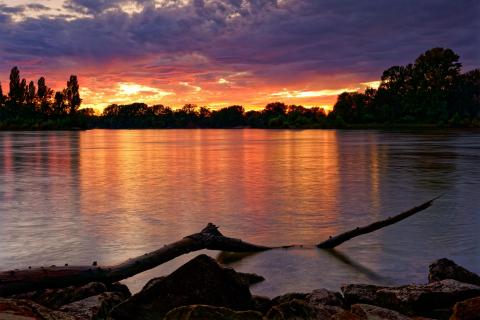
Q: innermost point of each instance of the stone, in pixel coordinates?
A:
(287, 297)
(360, 293)
(467, 310)
(246, 278)
(200, 281)
(261, 304)
(21, 309)
(55, 298)
(366, 311)
(325, 297)
(298, 309)
(96, 308)
(345, 315)
(203, 312)
(447, 269)
(428, 299)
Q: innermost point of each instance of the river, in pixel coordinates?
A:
(108, 195)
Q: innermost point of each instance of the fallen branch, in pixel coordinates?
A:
(19, 281)
(335, 241)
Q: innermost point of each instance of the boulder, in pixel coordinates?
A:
(325, 297)
(425, 300)
(467, 310)
(203, 312)
(261, 304)
(246, 278)
(345, 315)
(360, 293)
(200, 281)
(21, 309)
(96, 308)
(297, 309)
(447, 269)
(287, 297)
(369, 312)
(55, 298)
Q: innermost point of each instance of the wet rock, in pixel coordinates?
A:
(369, 312)
(55, 298)
(203, 312)
(427, 299)
(289, 297)
(245, 278)
(120, 288)
(152, 282)
(261, 304)
(21, 309)
(467, 310)
(447, 269)
(96, 308)
(297, 309)
(325, 297)
(345, 315)
(360, 293)
(200, 281)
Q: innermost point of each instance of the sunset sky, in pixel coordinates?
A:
(224, 52)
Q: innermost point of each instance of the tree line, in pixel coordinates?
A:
(431, 91)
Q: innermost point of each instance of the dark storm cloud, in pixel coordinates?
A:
(270, 38)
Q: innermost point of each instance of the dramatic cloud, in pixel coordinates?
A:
(219, 52)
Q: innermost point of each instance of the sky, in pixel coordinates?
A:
(218, 53)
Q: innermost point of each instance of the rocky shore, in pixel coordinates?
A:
(203, 289)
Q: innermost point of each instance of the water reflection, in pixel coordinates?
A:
(109, 195)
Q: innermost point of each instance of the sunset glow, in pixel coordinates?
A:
(220, 52)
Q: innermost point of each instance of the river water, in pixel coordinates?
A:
(106, 195)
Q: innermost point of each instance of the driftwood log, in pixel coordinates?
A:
(20, 281)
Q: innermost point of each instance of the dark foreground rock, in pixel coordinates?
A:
(447, 269)
(361, 293)
(467, 310)
(434, 299)
(96, 308)
(204, 312)
(20, 309)
(325, 297)
(298, 309)
(427, 299)
(200, 281)
(366, 311)
(55, 298)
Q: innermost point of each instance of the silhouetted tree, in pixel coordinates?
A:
(30, 95)
(15, 94)
(59, 106)
(72, 95)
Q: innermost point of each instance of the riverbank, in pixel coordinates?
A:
(203, 289)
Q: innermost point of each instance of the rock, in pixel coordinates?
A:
(345, 315)
(325, 297)
(246, 278)
(288, 297)
(467, 310)
(120, 288)
(200, 281)
(151, 282)
(96, 308)
(360, 293)
(21, 309)
(426, 300)
(203, 312)
(261, 304)
(447, 269)
(366, 311)
(55, 298)
(297, 309)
